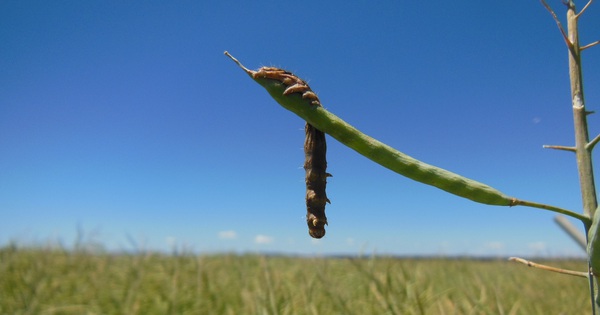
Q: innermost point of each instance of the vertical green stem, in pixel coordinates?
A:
(582, 150)
(584, 155)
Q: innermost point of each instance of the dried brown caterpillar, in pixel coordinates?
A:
(315, 149)
(315, 165)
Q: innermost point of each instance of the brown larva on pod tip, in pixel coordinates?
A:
(315, 147)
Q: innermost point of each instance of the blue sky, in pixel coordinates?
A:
(126, 123)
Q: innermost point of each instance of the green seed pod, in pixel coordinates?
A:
(593, 247)
(277, 83)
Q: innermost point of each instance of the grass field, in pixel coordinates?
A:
(38, 281)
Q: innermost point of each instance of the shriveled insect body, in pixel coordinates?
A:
(315, 150)
(315, 165)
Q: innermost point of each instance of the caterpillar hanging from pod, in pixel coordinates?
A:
(315, 148)
(315, 164)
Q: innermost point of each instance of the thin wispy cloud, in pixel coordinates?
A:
(228, 235)
(263, 239)
(495, 245)
(171, 241)
(537, 246)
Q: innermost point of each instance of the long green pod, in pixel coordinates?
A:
(593, 246)
(383, 154)
(593, 250)
(371, 148)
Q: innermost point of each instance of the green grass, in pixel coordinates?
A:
(38, 281)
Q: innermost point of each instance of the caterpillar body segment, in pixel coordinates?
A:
(297, 88)
(315, 165)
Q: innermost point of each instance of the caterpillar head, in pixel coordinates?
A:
(316, 226)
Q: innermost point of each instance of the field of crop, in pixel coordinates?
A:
(39, 281)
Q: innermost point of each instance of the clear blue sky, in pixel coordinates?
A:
(125, 121)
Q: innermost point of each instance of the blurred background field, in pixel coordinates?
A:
(81, 281)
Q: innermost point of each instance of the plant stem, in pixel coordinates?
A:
(586, 221)
(572, 231)
(584, 156)
(582, 145)
(549, 268)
